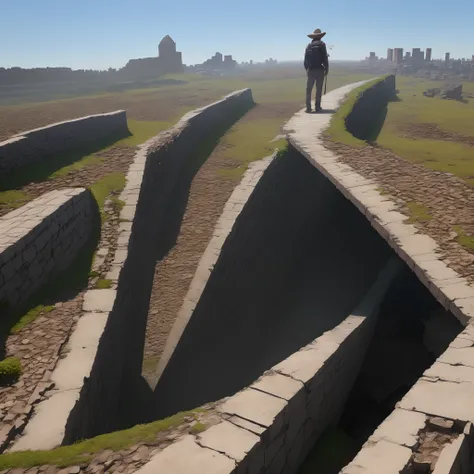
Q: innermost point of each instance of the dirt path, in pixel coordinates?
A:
(210, 189)
(449, 201)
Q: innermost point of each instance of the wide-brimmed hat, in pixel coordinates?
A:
(317, 34)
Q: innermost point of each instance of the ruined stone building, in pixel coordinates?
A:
(169, 61)
(218, 62)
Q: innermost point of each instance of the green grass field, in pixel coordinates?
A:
(448, 115)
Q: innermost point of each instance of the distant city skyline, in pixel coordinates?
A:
(95, 34)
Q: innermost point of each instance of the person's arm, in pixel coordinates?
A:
(326, 59)
(306, 59)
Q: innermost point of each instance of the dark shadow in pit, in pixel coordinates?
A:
(412, 331)
(42, 170)
(298, 260)
(64, 286)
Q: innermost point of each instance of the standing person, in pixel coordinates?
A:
(317, 66)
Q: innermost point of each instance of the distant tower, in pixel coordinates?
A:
(390, 54)
(428, 54)
(446, 57)
(398, 55)
(167, 47)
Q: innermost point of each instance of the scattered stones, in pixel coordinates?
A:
(441, 424)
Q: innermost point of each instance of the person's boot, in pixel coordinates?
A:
(318, 108)
(308, 109)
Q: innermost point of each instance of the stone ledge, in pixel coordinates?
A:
(38, 144)
(419, 251)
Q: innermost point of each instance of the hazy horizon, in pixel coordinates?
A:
(99, 35)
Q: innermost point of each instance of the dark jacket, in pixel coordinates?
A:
(316, 49)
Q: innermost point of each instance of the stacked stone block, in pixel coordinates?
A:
(40, 239)
(35, 145)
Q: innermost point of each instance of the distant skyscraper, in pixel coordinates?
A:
(446, 57)
(428, 54)
(472, 59)
(390, 54)
(372, 56)
(398, 55)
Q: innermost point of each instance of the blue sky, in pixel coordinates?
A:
(106, 33)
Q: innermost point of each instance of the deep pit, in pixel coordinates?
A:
(411, 332)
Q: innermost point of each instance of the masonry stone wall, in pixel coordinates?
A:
(160, 176)
(270, 426)
(367, 112)
(42, 238)
(297, 261)
(36, 145)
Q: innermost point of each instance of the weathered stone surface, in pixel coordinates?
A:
(36, 240)
(255, 406)
(401, 427)
(187, 457)
(99, 300)
(227, 438)
(383, 457)
(446, 399)
(278, 386)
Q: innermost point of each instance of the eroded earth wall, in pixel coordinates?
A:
(115, 384)
(298, 260)
(367, 114)
(35, 145)
(41, 239)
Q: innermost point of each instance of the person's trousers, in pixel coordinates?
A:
(314, 76)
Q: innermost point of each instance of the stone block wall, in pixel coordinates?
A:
(431, 429)
(270, 426)
(159, 175)
(370, 106)
(35, 145)
(41, 239)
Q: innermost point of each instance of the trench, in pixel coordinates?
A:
(297, 263)
(411, 332)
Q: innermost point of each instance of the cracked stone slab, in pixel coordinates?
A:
(187, 457)
(229, 439)
(461, 356)
(47, 427)
(278, 385)
(439, 398)
(254, 406)
(99, 300)
(450, 373)
(381, 458)
(247, 425)
(401, 427)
